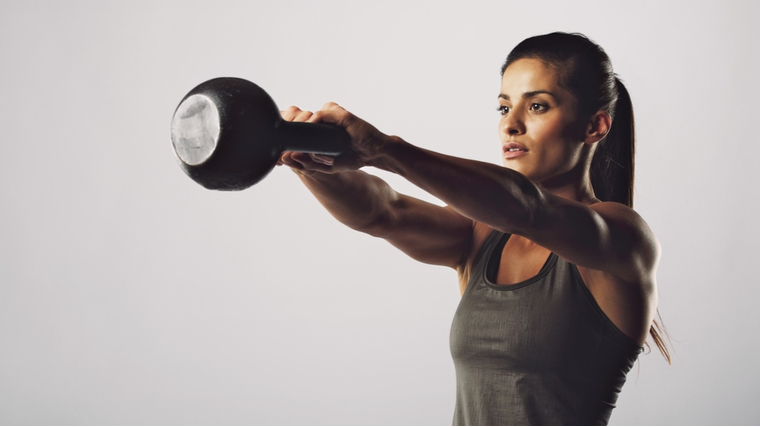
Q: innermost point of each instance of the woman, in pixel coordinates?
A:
(557, 272)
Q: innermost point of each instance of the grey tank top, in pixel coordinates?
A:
(537, 352)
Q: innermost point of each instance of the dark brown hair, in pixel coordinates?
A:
(584, 69)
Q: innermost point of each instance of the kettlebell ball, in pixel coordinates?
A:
(228, 134)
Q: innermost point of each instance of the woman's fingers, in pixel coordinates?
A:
(303, 162)
(307, 163)
(323, 159)
(289, 113)
(332, 111)
(295, 114)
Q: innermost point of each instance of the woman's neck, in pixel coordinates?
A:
(575, 185)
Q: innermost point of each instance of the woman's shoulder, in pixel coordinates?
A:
(628, 220)
(630, 235)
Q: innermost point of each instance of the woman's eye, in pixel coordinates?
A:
(538, 107)
(503, 109)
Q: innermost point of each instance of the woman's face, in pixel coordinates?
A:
(541, 134)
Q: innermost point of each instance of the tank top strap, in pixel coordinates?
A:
(495, 240)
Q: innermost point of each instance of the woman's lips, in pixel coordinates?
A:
(513, 150)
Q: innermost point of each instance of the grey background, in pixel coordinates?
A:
(130, 295)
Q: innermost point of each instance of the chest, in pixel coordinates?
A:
(518, 261)
(542, 323)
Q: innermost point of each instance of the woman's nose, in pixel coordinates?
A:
(512, 124)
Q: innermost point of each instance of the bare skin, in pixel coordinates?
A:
(542, 196)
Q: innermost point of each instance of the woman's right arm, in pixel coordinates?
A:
(426, 232)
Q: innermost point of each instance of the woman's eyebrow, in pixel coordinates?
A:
(529, 94)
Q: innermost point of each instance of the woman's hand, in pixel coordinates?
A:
(304, 163)
(366, 142)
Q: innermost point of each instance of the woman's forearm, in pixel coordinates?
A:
(356, 199)
(426, 232)
(498, 197)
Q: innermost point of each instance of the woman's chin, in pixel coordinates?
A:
(515, 166)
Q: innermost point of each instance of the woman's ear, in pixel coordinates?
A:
(597, 127)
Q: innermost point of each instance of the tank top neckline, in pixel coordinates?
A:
(491, 267)
(488, 268)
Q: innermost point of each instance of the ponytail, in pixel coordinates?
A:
(612, 167)
(612, 174)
